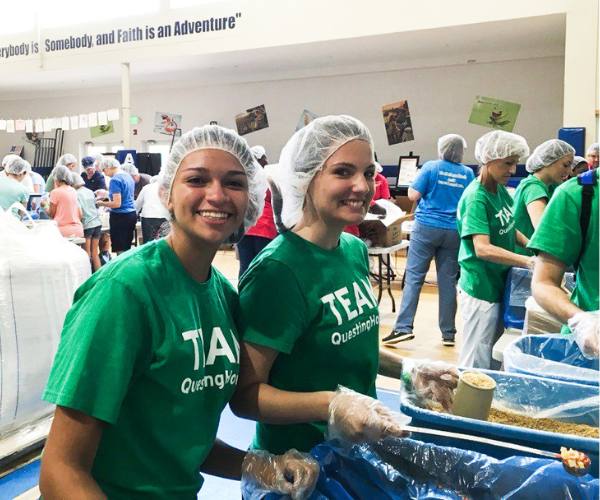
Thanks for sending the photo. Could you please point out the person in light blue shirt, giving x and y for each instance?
(438, 188)
(11, 188)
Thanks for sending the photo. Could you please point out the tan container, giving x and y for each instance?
(474, 395)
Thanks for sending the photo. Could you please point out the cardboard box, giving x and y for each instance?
(384, 231)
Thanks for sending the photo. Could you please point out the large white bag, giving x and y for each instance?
(39, 273)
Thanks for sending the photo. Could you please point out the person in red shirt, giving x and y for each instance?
(264, 231)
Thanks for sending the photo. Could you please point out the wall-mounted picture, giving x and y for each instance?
(167, 123)
(494, 113)
(252, 120)
(398, 126)
(305, 118)
(102, 130)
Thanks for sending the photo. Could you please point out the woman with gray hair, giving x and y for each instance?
(67, 160)
(149, 353)
(549, 165)
(437, 189)
(64, 207)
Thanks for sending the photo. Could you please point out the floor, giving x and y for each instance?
(427, 343)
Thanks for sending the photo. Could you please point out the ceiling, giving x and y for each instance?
(476, 43)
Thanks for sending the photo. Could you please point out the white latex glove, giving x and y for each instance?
(586, 332)
(433, 382)
(355, 418)
(293, 473)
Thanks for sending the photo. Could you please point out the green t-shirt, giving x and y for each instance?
(559, 234)
(154, 354)
(482, 212)
(316, 308)
(12, 191)
(528, 190)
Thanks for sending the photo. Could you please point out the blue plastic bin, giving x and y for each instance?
(551, 356)
(516, 292)
(531, 395)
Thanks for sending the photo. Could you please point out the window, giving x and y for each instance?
(90, 149)
(162, 148)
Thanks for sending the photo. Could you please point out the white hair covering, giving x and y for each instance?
(547, 153)
(498, 144)
(305, 154)
(217, 137)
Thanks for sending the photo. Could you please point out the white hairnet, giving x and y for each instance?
(66, 159)
(577, 160)
(130, 168)
(62, 174)
(593, 149)
(8, 158)
(305, 154)
(547, 153)
(258, 152)
(217, 137)
(498, 144)
(76, 180)
(109, 162)
(451, 147)
(16, 166)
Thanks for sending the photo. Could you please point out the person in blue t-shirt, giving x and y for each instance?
(122, 208)
(438, 188)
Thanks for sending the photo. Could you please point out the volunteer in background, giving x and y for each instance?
(92, 177)
(579, 166)
(27, 180)
(592, 155)
(12, 189)
(140, 180)
(90, 218)
(38, 185)
(549, 165)
(64, 207)
(308, 317)
(67, 160)
(437, 188)
(149, 357)
(259, 236)
(152, 212)
(122, 217)
(568, 236)
(487, 248)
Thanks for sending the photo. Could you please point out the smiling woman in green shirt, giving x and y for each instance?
(308, 317)
(149, 352)
(550, 165)
(487, 249)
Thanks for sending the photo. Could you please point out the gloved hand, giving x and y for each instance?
(354, 418)
(433, 382)
(293, 473)
(586, 332)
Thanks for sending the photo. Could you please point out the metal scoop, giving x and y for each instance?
(575, 471)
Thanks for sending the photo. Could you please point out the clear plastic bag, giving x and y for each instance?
(551, 356)
(517, 291)
(402, 469)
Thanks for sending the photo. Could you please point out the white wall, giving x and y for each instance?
(440, 101)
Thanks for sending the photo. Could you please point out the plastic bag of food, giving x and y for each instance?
(551, 356)
(402, 469)
(516, 293)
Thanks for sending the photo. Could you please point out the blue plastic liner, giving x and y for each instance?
(516, 292)
(551, 356)
(401, 469)
(528, 395)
